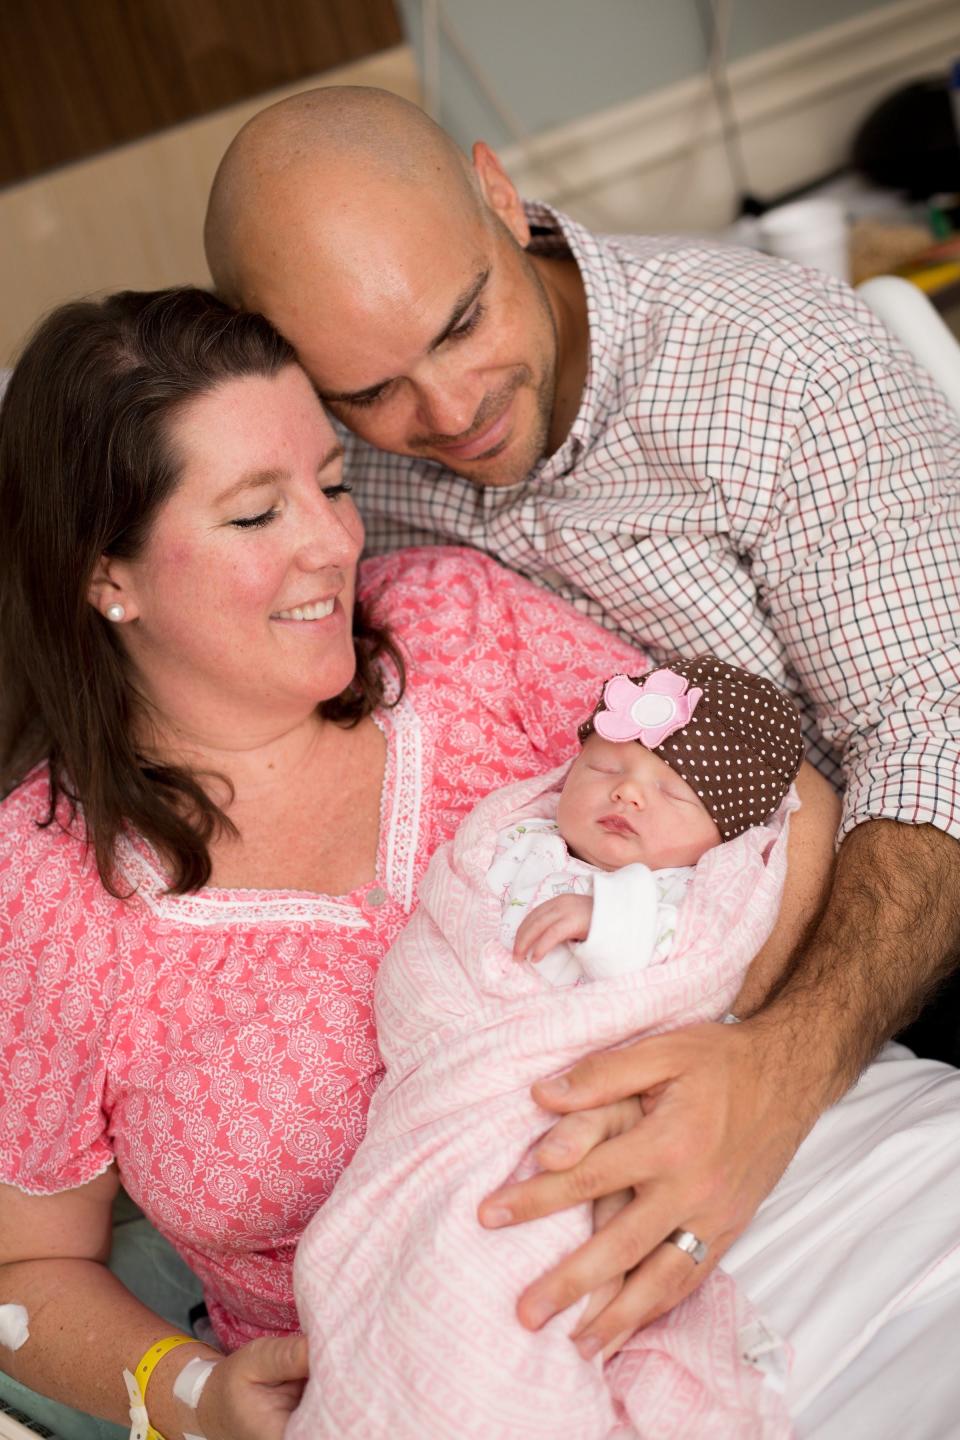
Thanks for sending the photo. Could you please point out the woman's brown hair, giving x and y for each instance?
(85, 463)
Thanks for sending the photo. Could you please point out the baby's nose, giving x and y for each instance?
(630, 793)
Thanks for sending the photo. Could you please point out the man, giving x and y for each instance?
(708, 451)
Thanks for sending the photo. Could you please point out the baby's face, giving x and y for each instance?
(622, 803)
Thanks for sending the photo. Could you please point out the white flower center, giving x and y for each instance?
(651, 710)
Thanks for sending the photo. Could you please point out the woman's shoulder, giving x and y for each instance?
(406, 583)
(35, 848)
(64, 939)
(439, 597)
(450, 609)
(24, 810)
(450, 606)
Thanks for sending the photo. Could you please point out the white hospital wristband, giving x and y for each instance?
(189, 1384)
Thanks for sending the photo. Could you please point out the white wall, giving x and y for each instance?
(657, 161)
(554, 61)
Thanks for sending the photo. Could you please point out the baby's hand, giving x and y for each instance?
(566, 917)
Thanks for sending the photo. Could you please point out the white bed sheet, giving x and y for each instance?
(855, 1257)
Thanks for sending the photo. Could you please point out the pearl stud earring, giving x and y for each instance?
(115, 611)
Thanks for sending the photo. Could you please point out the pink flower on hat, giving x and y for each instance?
(647, 712)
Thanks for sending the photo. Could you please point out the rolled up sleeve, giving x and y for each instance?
(861, 571)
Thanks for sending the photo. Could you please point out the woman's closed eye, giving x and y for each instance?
(255, 522)
(334, 492)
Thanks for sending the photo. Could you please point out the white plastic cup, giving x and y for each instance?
(810, 232)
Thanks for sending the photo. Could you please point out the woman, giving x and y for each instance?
(226, 779)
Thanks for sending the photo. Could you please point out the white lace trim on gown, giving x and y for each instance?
(401, 812)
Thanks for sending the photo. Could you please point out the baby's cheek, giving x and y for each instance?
(702, 845)
(566, 811)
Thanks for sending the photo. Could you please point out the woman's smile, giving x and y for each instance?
(312, 610)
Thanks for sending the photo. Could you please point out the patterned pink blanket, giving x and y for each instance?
(407, 1302)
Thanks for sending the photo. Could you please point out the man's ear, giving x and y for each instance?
(499, 192)
(110, 587)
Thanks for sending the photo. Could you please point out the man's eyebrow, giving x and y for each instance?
(257, 479)
(460, 307)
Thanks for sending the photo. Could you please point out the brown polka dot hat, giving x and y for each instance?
(734, 737)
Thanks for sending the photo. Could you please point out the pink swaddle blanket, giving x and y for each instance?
(408, 1303)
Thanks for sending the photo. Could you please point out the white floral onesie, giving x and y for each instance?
(634, 909)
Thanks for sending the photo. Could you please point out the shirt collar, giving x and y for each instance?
(605, 286)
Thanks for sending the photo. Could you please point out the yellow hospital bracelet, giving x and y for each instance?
(140, 1427)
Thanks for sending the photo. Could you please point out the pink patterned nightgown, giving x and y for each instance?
(220, 1046)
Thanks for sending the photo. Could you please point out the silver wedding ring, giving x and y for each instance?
(690, 1244)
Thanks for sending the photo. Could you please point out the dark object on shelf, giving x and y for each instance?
(909, 142)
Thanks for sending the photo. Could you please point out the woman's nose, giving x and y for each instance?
(334, 537)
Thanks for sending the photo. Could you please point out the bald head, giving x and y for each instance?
(397, 270)
(317, 167)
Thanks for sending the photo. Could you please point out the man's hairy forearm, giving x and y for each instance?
(889, 932)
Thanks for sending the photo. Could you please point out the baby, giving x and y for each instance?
(618, 878)
(714, 751)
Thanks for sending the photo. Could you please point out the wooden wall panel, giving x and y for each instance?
(81, 76)
(131, 218)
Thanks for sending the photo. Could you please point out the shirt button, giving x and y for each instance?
(375, 897)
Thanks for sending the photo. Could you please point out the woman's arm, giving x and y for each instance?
(86, 1327)
(811, 848)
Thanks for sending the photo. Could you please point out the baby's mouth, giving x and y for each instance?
(616, 824)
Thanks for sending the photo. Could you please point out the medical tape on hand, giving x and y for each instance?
(13, 1326)
(189, 1386)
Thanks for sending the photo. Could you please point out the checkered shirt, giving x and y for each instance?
(756, 470)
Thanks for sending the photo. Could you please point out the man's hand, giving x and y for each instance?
(723, 1108)
(709, 1139)
(606, 1209)
(564, 918)
(252, 1393)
